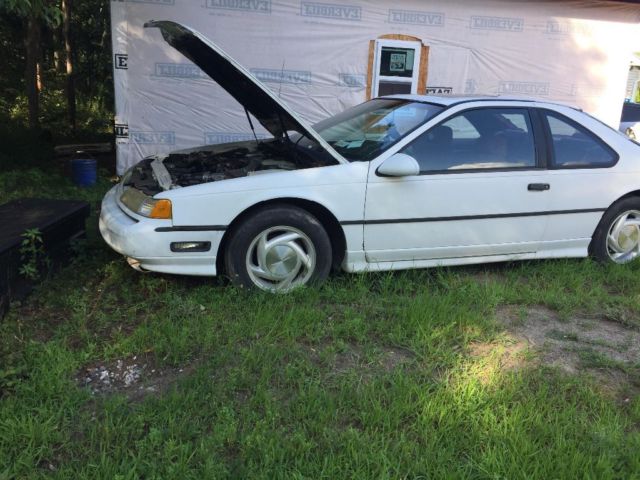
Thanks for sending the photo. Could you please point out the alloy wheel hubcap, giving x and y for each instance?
(623, 239)
(280, 259)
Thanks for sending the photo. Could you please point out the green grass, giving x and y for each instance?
(296, 386)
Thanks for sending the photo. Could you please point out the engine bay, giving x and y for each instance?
(218, 162)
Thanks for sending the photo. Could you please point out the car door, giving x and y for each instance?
(481, 191)
(580, 180)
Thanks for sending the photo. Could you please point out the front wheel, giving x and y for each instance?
(617, 238)
(277, 249)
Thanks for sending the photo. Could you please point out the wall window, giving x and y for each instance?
(575, 147)
(397, 65)
(482, 138)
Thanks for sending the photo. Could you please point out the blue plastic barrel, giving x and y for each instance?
(84, 171)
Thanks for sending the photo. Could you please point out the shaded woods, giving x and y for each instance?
(56, 82)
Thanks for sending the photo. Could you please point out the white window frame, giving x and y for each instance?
(413, 80)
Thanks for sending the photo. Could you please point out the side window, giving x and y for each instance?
(462, 128)
(575, 147)
(482, 138)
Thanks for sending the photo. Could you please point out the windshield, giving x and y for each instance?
(365, 131)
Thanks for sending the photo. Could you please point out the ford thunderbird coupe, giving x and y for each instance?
(397, 182)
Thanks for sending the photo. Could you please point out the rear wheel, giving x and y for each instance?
(617, 238)
(277, 249)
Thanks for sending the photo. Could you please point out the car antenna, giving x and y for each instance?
(251, 125)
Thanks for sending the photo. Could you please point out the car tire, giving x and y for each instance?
(617, 237)
(278, 248)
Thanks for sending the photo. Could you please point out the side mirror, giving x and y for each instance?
(399, 165)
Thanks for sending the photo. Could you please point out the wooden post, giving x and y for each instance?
(370, 66)
(424, 70)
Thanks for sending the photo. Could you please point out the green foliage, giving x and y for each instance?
(44, 10)
(10, 378)
(93, 69)
(32, 254)
(90, 34)
(49, 183)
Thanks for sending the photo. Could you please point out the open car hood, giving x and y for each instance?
(257, 99)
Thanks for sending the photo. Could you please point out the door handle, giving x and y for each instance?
(538, 187)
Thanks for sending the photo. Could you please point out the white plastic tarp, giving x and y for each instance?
(314, 55)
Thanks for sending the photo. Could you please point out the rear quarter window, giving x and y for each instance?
(574, 146)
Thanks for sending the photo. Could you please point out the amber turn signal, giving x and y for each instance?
(161, 209)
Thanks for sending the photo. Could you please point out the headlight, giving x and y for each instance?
(144, 205)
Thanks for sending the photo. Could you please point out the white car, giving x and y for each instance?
(630, 120)
(397, 182)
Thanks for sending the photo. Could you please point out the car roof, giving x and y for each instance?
(448, 100)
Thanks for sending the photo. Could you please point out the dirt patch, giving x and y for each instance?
(505, 356)
(353, 358)
(393, 357)
(136, 377)
(609, 350)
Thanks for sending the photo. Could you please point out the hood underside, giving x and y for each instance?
(278, 119)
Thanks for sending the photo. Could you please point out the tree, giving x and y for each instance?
(68, 95)
(69, 53)
(34, 13)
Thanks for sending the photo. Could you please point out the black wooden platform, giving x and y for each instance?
(58, 221)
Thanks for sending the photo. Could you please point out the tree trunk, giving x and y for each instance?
(57, 54)
(39, 76)
(32, 51)
(68, 48)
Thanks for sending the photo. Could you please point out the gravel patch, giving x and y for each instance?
(135, 377)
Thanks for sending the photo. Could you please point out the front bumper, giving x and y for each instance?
(137, 238)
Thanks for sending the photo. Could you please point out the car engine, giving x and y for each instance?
(214, 163)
